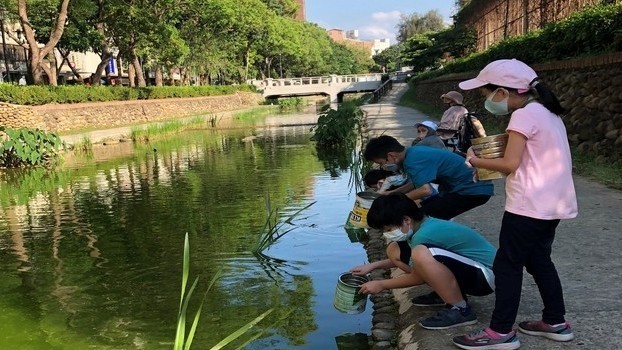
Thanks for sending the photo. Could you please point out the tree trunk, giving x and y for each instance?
(246, 62)
(159, 77)
(36, 53)
(138, 70)
(100, 68)
(131, 75)
(185, 78)
(65, 56)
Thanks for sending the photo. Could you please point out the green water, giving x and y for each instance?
(90, 253)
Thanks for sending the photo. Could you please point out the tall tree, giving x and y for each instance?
(415, 23)
(37, 54)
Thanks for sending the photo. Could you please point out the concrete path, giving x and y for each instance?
(587, 252)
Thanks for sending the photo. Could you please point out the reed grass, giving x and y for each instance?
(158, 130)
(183, 341)
(84, 146)
(273, 227)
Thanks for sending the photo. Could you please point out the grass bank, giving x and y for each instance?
(584, 164)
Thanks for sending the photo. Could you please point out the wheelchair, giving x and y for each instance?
(469, 127)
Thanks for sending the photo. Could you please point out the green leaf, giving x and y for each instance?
(247, 327)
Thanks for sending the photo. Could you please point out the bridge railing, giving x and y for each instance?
(321, 80)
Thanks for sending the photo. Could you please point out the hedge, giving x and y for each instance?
(594, 30)
(41, 94)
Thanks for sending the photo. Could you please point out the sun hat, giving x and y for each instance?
(454, 96)
(507, 73)
(429, 124)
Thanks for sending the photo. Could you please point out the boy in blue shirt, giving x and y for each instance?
(423, 165)
(454, 260)
(457, 192)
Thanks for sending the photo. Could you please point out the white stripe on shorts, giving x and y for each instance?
(490, 276)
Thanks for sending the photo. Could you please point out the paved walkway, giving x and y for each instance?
(587, 253)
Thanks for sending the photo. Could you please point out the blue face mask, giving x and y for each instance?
(496, 108)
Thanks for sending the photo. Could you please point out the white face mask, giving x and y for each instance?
(397, 235)
(497, 108)
(390, 167)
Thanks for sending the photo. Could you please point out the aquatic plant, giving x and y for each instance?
(183, 341)
(153, 131)
(273, 228)
(28, 147)
(339, 127)
(84, 146)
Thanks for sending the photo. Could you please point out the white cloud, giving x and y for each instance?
(376, 32)
(386, 16)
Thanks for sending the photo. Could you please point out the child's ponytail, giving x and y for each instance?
(547, 97)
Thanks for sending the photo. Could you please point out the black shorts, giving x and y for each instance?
(450, 205)
(473, 278)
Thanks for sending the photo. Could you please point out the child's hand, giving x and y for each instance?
(362, 269)
(371, 287)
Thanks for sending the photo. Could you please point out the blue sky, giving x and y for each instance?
(374, 19)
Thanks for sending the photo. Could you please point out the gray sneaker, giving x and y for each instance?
(449, 318)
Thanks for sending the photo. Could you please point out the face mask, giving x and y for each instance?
(396, 180)
(397, 235)
(496, 108)
(391, 167)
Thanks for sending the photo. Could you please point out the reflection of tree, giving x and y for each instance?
(337, 159)
(112, 241)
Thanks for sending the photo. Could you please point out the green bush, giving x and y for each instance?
(28, 147)
(39, 95)
(595, 30)
(336, 127)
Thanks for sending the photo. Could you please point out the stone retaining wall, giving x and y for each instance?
(590, 89)
(97, 115)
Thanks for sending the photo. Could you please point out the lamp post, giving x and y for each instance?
(6, 61)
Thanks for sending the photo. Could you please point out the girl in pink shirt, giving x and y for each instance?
(539, 192)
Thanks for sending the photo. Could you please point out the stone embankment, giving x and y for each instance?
(589, 88)
(97, 115)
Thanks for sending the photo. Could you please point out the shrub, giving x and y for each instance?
(39, 94)
(595, 30)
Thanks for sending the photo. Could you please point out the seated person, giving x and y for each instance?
(452, 117)
(426, 135)
(454, 260)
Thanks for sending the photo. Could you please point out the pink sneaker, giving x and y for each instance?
(487, 339)
(560, 332)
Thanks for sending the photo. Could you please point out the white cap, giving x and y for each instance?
(430, 124)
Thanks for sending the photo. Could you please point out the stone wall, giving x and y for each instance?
(97, 115)
(590, 89)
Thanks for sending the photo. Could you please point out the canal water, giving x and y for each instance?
(91, 252)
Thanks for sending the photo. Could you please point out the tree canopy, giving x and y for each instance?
(221, 41)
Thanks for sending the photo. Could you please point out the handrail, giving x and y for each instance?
(382, 90)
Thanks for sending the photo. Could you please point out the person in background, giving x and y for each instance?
(22, 81)
(452, 259)
(426, 135)
(539, 193)
(452, 117)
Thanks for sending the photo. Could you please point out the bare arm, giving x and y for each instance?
(511, 158)
(367, 268)
(403, 281)
(420, 192)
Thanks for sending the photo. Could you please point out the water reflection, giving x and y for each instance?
(91, 253)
